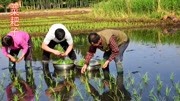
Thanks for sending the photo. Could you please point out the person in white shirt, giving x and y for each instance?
(58, 34)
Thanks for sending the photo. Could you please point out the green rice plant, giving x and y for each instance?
(57, 97)
(79, 94)
(40, 86)
(63, 61)
(177, 88)
(16, 98)
(172, 77)
(176, 98)
(152, 96)
(81, 62)
(102, 61)
(127, 80)
(87, 85)
(140, 87)
(59, 48)
(159, 83)
(132, 81)
(122, 95)
(145, 78)
(37, 95)
(168, 90)
(136, 96)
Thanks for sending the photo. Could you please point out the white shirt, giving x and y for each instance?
(51, 34)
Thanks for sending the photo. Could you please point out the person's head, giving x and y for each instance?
(59, 33)
(94, 39)
(7, 41)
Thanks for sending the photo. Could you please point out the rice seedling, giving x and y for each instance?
(132, 81)
(176, 98)
(80, 94)
(16, 98)
(136, 96)
(37, 95)
(168, 90)
(145, 78)
(159, 83)
(172, 77)
(177, 88)
(152, 96)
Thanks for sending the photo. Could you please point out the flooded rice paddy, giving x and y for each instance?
(151, 72)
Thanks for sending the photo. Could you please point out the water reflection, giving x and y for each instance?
(100, 86)
(144, 54)
(20, 89)
(61, 87)
(106, 87)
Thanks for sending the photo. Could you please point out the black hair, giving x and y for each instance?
(93, 38)
(13, 1)
(59, 33)
(7, 41)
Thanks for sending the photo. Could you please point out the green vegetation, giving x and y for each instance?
(137, 89)
(149, 36)
(80, 62)
(128, 8)
(106, 14)
(63, 61)
(155, 36)
(102, 61)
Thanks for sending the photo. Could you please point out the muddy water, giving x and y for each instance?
(152, 51)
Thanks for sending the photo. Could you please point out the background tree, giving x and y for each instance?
(5, 3)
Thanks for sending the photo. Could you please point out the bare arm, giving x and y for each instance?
(68, 50)
(48, 49)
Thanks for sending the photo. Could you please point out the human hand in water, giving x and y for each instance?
(18, 60)
(12, 59)
(105, 64)
(83, 69)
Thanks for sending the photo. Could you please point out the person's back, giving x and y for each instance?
(19, 38)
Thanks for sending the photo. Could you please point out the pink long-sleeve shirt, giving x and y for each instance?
(20, 39)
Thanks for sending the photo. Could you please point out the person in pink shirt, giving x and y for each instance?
(12, 43)
(27, 93)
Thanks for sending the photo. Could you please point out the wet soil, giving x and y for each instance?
(79, 11)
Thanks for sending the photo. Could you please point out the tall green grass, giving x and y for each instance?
(133, 7)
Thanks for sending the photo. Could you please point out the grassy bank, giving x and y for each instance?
(122, 14)
(137, 8)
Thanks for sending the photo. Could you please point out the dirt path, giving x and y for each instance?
(45, 13)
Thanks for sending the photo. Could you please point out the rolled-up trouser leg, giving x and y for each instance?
(106, 57)
(28, 64)
(119, 67)
(47, 75)
(118, 60)
(12, 65)
(12, 70)
(29, 74)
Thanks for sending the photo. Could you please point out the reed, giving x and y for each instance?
(126, 8)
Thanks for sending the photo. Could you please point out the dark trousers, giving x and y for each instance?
(64, 44)
(118, 59)
(27, 58)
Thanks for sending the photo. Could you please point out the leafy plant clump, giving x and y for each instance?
(64, 61)
(102, 62)
(81, 62)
